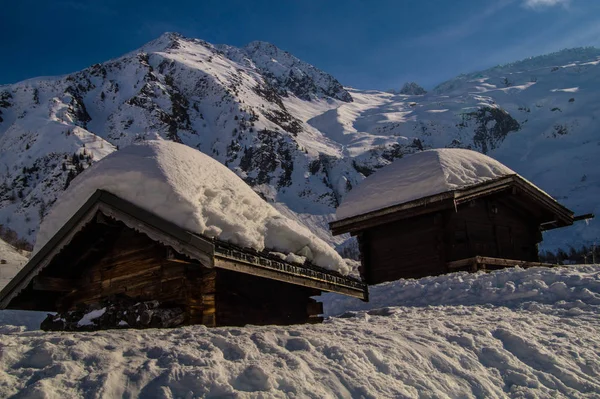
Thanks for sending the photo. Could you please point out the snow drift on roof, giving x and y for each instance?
(420, 175)
(195, 192)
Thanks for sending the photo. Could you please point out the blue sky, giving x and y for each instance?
(376, 44)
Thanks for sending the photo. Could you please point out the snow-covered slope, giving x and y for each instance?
(15, 260)
(293, 132)
(571, 287)
(542, 342)
(286, 72)
(11, 261)
(192, 190)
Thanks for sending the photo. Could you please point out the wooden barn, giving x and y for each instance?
(114, 255)
(445, 210)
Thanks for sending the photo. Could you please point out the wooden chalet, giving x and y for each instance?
(111, 248)
(497, 223)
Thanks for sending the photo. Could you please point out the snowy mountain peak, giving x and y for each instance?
(264, 47)
(293, 132)
(286, 72)
(165, 42)
(413, 89)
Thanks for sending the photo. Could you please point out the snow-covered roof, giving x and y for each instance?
(418, 176)
(195, 192)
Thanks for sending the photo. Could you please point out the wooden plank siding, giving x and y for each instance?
(488, 227)
(134, 266)
(424, 244)
(410, 248)
(200, 290)
(244, 299)
(110, 259)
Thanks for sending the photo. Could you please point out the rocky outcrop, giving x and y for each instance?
(286, 72)
(491, 126)
(412, 89)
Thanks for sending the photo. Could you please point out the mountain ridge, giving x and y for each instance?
(290, 130)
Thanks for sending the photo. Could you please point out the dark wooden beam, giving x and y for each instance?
(183, 262)
(361, 223)
(174, 257)
(583, 217)
(323, 285)
(480, 263)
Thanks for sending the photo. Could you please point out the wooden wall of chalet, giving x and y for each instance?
(244, 299)
(490, 227)
(409, 248)
(422, 245)
(107, 259)
(104, 260)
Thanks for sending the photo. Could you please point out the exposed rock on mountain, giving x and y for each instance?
(292, 131)
(286, 73)
(491, 126)
(413, 89)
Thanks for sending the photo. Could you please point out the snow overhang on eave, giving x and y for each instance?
(182, 241)
(451, 199)
(236, 259)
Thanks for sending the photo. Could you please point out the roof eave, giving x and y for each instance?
(351, 224)
(449, 199)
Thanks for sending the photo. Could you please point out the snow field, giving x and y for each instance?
(574, 288)
(401, 352)
(455, 349)
(14, 261)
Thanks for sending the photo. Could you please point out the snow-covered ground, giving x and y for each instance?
(572, 287)
(11, 261)
(512, 333)
(15, 260)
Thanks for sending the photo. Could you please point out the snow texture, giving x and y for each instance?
(87, 319)
(12, 260)
(463, 348)
(15, 260)
(281, 67)
(420, 175)
(566, 287)
(195, 192)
